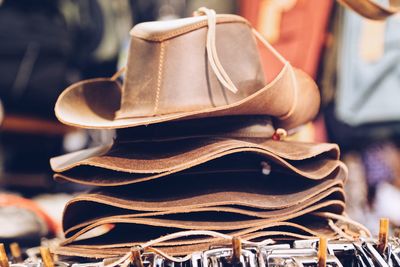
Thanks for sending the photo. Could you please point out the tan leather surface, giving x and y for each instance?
(163, 156)
(372, 10)
(186, 193)
(188, 83)
(127, 163)
(164, 30)
(171, 79)
(334, 195)
(270, 200)
(150, 228)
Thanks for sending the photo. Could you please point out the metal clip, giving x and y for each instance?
(299, 257)
(223, 257)
(376, 257)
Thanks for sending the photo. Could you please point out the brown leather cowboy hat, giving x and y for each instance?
(203, 66)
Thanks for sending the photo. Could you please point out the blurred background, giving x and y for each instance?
(46, 45)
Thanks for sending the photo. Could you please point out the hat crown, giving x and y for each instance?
(168, 70)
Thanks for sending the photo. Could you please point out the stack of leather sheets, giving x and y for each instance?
(195, 150)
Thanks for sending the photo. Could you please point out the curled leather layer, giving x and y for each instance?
(333, 196)
(131, 162)
(151, 228)
(254, 195)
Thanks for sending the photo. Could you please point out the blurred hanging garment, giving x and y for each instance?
(293, 27)
(34, 50)
(368, 71)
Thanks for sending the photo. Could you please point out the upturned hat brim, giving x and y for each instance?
(93, 103)
(133, 162)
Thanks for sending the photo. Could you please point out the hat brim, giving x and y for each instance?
(151, 228)
(133, 162)
(245, 205)
(93, 103)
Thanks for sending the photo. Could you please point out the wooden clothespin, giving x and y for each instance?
(3, 256)
(322, 251)
(383, 234)
(16, 252)
(136, 258)
(46, 257)
(236, 249)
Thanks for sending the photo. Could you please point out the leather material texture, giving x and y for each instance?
(198, 146)
(307, 229)
(116, 167)
(223, 174)
(195, 160)
(180, 193)
(168, 77)
(326, 198)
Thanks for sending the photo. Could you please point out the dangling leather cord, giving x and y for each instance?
(218, 69)
(147, 246)
(213, 58)
(118, 74)
(287, 65)
(345, 219)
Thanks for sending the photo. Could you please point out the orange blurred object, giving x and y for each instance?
(7, 200)
(298, 29)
